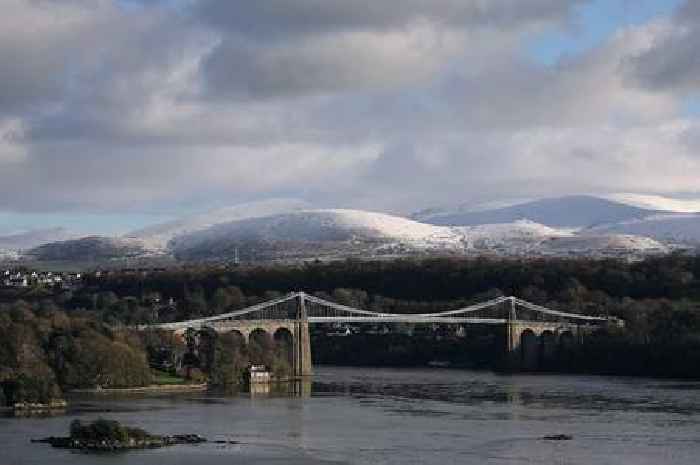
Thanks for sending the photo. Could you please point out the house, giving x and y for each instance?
(259, 374)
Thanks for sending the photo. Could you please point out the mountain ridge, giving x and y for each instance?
(286, 229)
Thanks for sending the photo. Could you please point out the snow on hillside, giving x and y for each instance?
(426, 214)
(91, 248)
(344, 233)
(315, 226)
(677, 228)
(575, 211)
(520, 236)
(657, 202)
(33, 238)
(9, 254)
(157, 237)
(389, 226)
(606, 244)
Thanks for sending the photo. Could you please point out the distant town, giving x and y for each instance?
(20, 278)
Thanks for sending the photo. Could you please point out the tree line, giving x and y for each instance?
(71, 338)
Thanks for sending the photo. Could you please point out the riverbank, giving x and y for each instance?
(144, 389)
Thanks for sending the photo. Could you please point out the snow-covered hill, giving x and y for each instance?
(353, 233)
(9, 255)
(312, 233)
(656, 202)
(576, 211)
(679, 228)
(156, 237)
(286, 230)
(33, 238)
(520, 237)
(603, 245)
(91, 248)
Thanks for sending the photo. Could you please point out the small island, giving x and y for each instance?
(110, 436)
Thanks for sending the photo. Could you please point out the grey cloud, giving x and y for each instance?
(672, 62)
(275, 48)
(270, 19)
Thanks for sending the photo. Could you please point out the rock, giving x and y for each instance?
(151, 442)
(558, 437)
(105, 435)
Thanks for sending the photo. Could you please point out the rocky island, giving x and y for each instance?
(111, 436)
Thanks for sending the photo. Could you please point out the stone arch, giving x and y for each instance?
(206, 347)
(237, 336)
(548, 346)
(567, 344)
(191, 338)
(566, 340)
(284, 345)
(190, 357)
(260, 347)
(529, 349)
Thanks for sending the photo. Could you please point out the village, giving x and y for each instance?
(22, 278)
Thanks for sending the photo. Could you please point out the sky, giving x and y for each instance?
(115, 114)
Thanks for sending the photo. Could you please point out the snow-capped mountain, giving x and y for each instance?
(679, 228)
(156, 237)
(354, 233)
(33, 238)
(656, 202)
(588, 244)
(576, 211)
(312, 233)
(91, 248)
(287, 230)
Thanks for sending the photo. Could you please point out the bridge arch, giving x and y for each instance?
(566, 340)
(284, 345)
(548, 346)
(237, 336)
(260, 344)
(206, 347)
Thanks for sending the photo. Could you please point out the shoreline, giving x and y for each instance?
(151, 388)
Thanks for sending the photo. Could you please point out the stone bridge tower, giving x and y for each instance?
(302, 341)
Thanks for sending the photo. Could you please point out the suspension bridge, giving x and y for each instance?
(528, 326)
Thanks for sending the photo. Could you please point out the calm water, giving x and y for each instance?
(380, 416)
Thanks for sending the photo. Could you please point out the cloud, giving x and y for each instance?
(392, 105)
(280, 20)
(671, 62)
(12, 149)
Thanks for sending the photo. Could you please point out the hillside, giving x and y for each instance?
(676, 228)
(579, 211)
(317, 233)
(282, 229)
(156, 237)
(92, 248)
(34, 238)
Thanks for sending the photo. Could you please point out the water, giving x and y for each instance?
(380, 416)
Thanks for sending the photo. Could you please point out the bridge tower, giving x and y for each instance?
(513, 335)
(302, 341)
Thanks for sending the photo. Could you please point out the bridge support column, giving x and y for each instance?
(513, 341)
(513, 355)
(302, 342)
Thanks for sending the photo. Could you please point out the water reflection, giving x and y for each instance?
(297, 388)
